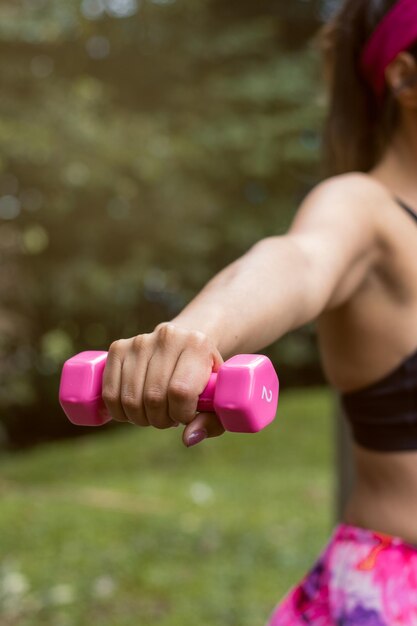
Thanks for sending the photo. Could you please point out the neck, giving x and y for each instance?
(404, 144)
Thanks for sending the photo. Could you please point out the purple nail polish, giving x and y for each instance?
(196, 437)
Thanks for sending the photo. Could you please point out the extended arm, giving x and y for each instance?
(281, 283)
(285, 282)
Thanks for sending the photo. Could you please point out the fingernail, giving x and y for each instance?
(175, 424)
(196, 437)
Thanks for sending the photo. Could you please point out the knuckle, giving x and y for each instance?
(110, 396)
(165, 333)
(138, 342)
(130, 400)
(180, 390)
(116, 349)
(154, 397)
(198, 339)
(130, 404)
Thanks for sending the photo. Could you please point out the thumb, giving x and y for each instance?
(204, 425)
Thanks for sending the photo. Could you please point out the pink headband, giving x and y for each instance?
(396, 32)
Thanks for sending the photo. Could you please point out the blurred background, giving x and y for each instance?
(144, 144)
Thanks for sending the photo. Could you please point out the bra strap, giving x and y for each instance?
(407, 208)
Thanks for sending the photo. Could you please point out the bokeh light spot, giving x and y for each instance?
(98, 47)
(77, 174)
(35, 239)
(62, 595)
(118, 208)
(9, 207)
(122, 8)
(56, 345)
(104, 587)
(201, 493)
(93, 9)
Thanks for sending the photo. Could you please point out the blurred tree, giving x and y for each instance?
(143, 145)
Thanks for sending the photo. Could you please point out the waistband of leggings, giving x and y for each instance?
(357, 534)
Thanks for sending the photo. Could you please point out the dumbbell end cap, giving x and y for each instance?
(81, 387)
(246, 398)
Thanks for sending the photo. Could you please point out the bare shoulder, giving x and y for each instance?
(349, 199)
(352, 189)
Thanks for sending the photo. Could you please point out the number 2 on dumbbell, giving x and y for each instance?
(243, 393)
(267, 394)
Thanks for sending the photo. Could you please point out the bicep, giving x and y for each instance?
(337, 231)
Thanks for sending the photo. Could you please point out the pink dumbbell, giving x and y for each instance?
(243, 393)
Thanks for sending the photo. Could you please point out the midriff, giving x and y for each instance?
(384, 497)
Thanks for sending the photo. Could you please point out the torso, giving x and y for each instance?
(360, 342)
(384, 497)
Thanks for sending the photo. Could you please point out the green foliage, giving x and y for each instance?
(143, 145)
(131, 528)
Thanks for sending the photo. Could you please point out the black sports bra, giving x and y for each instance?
(383, 415)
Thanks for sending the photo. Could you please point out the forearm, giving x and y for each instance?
(256, 299)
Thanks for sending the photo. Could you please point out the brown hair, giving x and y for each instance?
(358, 127)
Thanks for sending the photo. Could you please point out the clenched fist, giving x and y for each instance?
(155, 380)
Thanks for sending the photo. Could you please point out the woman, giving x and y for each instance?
(349, 261)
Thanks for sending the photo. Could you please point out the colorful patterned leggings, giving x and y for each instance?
(362, 578)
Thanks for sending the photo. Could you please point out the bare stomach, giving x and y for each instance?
(384, 497)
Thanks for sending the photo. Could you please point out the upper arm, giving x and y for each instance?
(337, 230)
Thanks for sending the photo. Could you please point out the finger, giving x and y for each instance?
(133, 377)
(188, 381)
(204, 426)
(112, 380)
(158, 375)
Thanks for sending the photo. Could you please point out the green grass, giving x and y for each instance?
(131, 528)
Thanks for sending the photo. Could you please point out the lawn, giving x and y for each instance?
(130, 528)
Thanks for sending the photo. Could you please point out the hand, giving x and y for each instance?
(155, 380)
